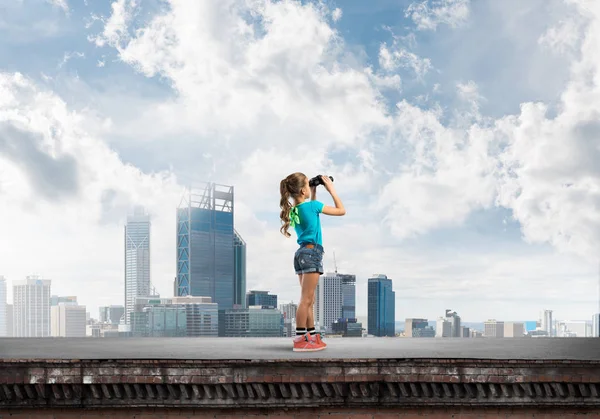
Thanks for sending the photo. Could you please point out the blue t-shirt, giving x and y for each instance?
(309, 228)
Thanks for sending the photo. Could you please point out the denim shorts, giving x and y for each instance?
(309, 260)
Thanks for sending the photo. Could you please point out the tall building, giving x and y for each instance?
(289, 318)
(211, 255)
(573, 328)
(381, 306)
(418, 328)
(239, 274)
(596, 325)
(3, 314)
(261, 298)
(547, 323)
(328, 301)
(31, 307)
(137, 258)
(493, 329)
(68, 320)
(454, 320)
(443, 328)
(111, 314)
(514, 329)
(348, 296)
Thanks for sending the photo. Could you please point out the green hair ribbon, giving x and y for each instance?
(294, 218)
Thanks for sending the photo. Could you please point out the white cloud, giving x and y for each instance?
(336, 14)
(564, 36)
(60, 3)
(394, 57)
(429, 14)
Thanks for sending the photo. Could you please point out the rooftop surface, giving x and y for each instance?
(578, 349)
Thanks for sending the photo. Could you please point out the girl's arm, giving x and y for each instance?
(339, 207)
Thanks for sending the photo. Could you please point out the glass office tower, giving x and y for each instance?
(381, 306)
(211, 255)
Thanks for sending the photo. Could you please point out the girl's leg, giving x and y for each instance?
(309, 284)
(310, 320)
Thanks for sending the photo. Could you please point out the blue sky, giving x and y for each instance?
(451, 127)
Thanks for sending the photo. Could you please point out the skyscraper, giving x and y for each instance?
(454, 319)
(547, 323)
(493, 329)
(211, 258)
(31, 307)
(348, 296)
(239, 275)
(596, 325)
(3, 313)
(137, 258)
(328, 300)
(381, 306)
(111, 314)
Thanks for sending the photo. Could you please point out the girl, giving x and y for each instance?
(308, 260)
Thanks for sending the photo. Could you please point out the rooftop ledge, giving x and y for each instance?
(265, 373)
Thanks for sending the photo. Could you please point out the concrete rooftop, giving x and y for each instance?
(580, 349)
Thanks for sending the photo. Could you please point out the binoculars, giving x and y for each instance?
(316, 181)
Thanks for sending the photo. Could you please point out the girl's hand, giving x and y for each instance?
(327, 183)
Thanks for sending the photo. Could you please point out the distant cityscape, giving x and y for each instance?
(210, 297)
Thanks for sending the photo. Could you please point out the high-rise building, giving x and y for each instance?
(31, 307)
(418, 328)
(289, 318)
(207, 247)
(137, 258)
(443, 328)
(9, 320)
(465, 332)
(328, 301)
(546, 322)
(111, 314)
(68, 320)
(514, 329)
(596, 325)
(3, 315)
(493, 329)
(239, 265)
(348, 297)
(454, 320)
(261, 298)
(381, 306)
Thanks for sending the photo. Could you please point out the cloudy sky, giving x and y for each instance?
(463, 136)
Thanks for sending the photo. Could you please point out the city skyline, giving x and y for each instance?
(468, 170)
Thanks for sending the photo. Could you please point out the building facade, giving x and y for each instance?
(596, 325)
(288, 311)
(31, 307)
(547, 323)
(443, 328)
(211, 255)
(348, 297)
(68, 320)
(381, 306)
(9, 321)
(253, 322)
(111, 314)
(514, 329)
(328, 301)
(261, 298)
(3, 311)
(56, 300)
(454, 320)
(493, 329)
(137, 259)
(418, 328)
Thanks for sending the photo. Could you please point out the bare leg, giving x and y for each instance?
(309, 284)
(310, 320)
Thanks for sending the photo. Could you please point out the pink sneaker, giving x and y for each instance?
(305, 343)
(317, 339)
